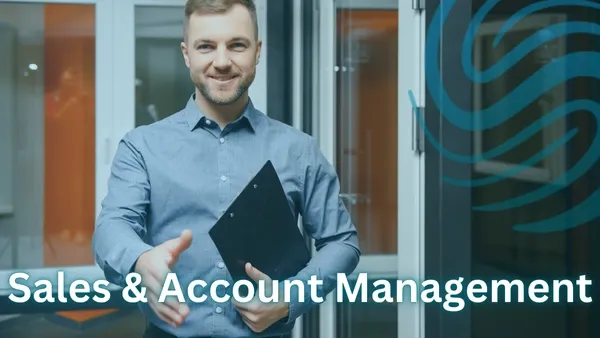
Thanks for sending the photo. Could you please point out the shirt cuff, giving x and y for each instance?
(300, 305)
(134, 251)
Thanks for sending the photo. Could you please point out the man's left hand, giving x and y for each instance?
(259, 315)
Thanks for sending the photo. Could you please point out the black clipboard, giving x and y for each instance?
(259, 227)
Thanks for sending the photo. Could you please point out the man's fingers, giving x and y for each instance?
(165, 312)
(250, 313)
(246, 307)
(251, 325)
(181, 308)
(257, 275)
(249, 317)
(154, 289)
(160, 315)
(178, 245)
(244, 316)
(153, 284)
(155, 280)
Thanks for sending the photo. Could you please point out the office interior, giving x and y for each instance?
(76, 75)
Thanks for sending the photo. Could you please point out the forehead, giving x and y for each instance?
(235, 22)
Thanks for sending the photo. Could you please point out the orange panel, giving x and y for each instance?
(69, 197)
(85, 315)
(69, 191)
(376, 134)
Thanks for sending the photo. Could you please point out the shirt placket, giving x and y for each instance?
(224, 166)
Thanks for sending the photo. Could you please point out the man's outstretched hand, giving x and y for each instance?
(153, 266)
(259, 315)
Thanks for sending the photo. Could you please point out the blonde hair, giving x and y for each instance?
(217, 6)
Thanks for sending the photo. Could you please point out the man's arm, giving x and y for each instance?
(117, 240)
(327, 220)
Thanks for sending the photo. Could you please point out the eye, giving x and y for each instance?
(204, 47)
(238, 46)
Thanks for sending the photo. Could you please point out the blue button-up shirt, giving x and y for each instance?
(182, 173)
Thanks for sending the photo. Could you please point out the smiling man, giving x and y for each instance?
(172, 180)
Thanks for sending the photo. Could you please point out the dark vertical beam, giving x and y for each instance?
(279, 48)
(594, 228)
(310, 320)
(583, 320)
(308, 64)
(448, 207)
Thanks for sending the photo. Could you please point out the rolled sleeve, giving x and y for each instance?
(121, 224)
(326, 219)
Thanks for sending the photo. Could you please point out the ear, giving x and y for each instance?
(184, 52)
(258, 50)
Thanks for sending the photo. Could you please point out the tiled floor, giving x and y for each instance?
(123, 325)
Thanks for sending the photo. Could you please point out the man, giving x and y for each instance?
(171, 181)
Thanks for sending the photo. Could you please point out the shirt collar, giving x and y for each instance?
(195, 116)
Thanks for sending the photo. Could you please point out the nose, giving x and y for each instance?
(221, 58)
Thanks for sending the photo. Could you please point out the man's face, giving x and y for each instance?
(222, 52)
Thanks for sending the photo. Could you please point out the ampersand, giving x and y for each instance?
(139, 294)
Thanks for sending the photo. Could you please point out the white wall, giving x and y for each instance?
(21, 232)
(7, 112)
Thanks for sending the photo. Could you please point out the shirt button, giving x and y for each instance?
(218, 309)
(207, 121)
(221, 265)
(222, 140)
(223, 178)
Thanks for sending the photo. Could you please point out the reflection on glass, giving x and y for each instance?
(162, 84)
(367, 319)
(499, 242)
(492, 93)
(498, 251)
(367, 77)
(47, 94)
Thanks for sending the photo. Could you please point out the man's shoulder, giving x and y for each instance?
(156, 130)
(285, 131)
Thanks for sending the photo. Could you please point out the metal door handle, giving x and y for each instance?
(354, 198)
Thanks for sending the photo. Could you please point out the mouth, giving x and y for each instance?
(223, 79)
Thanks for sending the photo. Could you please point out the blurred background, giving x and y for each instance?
(76, 75)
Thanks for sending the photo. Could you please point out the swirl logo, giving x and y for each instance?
(559, 70)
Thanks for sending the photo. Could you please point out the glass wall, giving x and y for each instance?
(498, 249)
(162, 81)
(48, 119)
(516, 210)
(48, 123)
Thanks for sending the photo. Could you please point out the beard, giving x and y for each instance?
(218, 96)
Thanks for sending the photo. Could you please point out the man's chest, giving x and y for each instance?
(200, 177)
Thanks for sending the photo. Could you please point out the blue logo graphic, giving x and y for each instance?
(560, 70)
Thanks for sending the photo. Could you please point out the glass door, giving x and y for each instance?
(369, 57)
(55, 143)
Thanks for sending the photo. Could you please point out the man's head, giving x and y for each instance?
(221, 47)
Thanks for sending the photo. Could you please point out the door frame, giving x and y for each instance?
(408, 262)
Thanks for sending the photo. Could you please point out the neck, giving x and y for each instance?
(222, 114)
